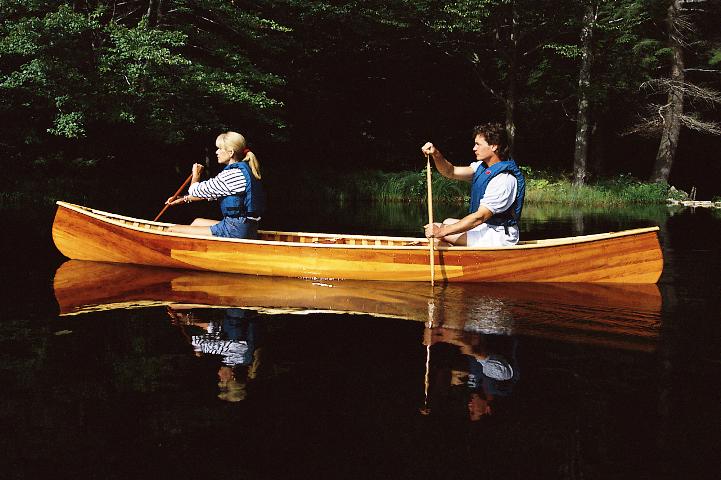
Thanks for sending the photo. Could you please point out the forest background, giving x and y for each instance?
(124, 96)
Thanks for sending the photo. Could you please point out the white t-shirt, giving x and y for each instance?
(498, 197)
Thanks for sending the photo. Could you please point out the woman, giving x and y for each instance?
(237, 187)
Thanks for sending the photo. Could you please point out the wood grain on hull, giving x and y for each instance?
(624, 257)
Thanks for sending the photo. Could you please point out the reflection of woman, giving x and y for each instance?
(235, 340)
(237, 187)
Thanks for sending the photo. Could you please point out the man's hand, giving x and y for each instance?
(428, 149)
(433, 230)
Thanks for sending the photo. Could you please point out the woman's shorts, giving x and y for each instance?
(239, 227)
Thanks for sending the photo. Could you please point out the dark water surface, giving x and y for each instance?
(121, 372)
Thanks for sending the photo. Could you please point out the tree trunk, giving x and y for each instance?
(596, 150)
(510, 103)
(672, 111)
(580, 155)
(510, 107)
(154, 12)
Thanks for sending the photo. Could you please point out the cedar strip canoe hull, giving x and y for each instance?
(624, 316)
(632, 256)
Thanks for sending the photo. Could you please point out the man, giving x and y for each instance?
(498, 189)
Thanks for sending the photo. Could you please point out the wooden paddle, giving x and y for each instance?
(425, 410)
(431, 241)
(182, 187)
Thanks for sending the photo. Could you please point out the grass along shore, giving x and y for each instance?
(373, 185)
(541, 188)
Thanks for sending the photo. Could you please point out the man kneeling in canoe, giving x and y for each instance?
(498, 188)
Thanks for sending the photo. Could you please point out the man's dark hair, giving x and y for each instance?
(495, 134)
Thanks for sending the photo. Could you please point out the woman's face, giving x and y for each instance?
(225, 374)
(223, 155)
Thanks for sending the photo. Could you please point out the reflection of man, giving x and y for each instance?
(490, 374)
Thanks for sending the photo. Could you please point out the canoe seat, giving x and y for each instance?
(329, 241)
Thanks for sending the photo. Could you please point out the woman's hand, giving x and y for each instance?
(197, 169)
(175, 200)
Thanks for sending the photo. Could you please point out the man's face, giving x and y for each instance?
(478, 407)
(482, 149)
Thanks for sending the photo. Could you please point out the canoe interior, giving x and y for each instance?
(269, 235)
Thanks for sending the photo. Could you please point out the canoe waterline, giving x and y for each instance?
(632, 256)
(625, 316)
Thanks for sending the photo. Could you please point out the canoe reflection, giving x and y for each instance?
(613, 315)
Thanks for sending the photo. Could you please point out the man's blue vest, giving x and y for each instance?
(480, 182)
(249, 203)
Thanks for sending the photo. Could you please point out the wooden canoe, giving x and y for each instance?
(632, 256)
(625, 316)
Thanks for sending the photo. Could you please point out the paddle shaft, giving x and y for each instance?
(431, 241)
(182, 187)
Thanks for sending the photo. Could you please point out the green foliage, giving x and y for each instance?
(568, 51)
(375, 185)
(69, 125)
(67, 71)
(715, 57)
(541, 188)
(465, 15)
(74, 73)
(621, 190)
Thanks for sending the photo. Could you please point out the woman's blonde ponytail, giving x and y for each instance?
(236, 142)
(253, 162)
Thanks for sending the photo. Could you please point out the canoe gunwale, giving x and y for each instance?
(419, 243)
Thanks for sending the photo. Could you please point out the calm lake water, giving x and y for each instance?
(114, 372)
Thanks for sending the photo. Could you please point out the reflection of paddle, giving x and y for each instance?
(425, 410)
(426, 382)
(182, 187)
(430, 215)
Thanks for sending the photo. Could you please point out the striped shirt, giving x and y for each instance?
(227, 182)
(234, 352)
